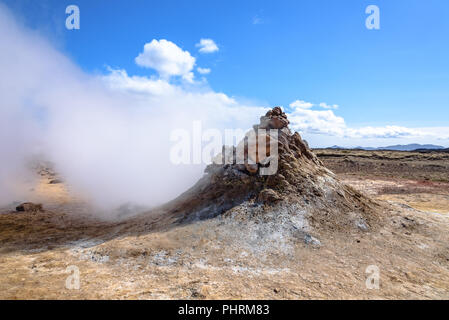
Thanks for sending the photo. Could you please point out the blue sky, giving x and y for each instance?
(277, 52)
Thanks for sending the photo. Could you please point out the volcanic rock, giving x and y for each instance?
(241, 175)
(274, 119)
(29, 207)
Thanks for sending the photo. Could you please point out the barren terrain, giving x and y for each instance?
(417, 179)
(281, 253)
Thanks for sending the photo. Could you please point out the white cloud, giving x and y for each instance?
(384, 132)
(203, 70)
(119, 79)
(317, 122)
(167, 59)
(327, 106)
(207, 46)
(301, 104)
(201, 101)
(325, 122)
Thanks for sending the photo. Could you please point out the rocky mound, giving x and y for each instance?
(286, 173)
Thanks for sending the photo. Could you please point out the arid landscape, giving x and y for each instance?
(278, 150)
(417, 179)
(304, 233)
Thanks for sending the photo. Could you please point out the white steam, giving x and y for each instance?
(107, 135)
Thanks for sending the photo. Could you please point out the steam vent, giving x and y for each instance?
(239, 180)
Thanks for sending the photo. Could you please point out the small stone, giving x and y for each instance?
(268, 196)
(204, 291)
(308, 239)
(361, 225)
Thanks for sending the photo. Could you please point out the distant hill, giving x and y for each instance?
(398, 147)
(411, 147)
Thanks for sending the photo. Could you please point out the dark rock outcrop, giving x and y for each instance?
(29, 207)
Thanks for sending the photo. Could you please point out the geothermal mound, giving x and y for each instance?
(272, 169)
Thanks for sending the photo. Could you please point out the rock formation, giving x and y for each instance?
(239, 175)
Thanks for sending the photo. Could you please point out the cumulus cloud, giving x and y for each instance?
(316, 121)
(108, 135)
(207, 46)
(202, 103)
(304, 119)
(328, 106)
(167, 59)
(301, 104)
(203, 70)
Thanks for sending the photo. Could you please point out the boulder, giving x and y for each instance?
(29, 207)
